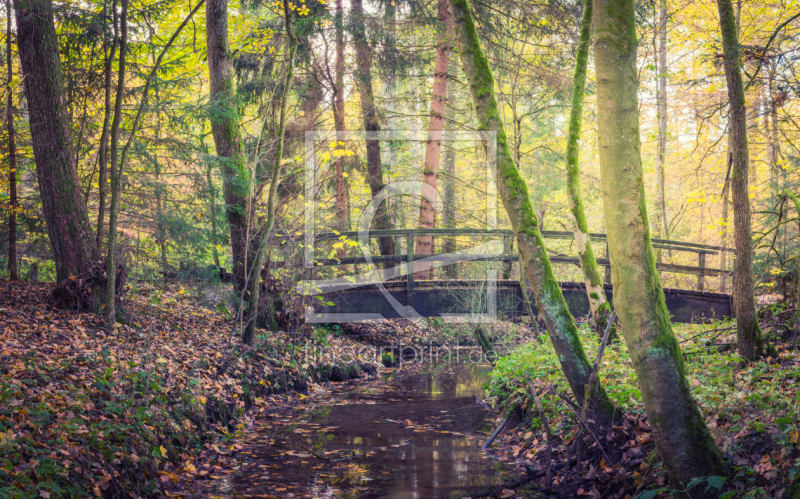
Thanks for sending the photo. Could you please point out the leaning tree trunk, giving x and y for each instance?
(363, 79)
(12, 157)
(433, 148)
(225, 127)
(63, 207)
(684, 442)
(601, 309)
(533, 254)
(750, 342)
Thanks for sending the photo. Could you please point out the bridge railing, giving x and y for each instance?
(701, 270)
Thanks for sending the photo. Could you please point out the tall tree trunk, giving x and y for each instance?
(750, 342)
(12, 157)
(661, 105)
(532, 252)
(116, 171)
(113, 285)
(684, 442)
(225, 127)
(723, 255)
(107, 112)
(433, 148)
(255, 270)
(341, 126)
(601, 309)
(212, 214)
(449, 200)
(64, 210)
(363, 77)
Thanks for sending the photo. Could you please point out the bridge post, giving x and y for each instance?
(607, 279)
(410, 269)
(702, 277)
(506, 252)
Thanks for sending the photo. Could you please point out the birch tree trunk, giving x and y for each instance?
(750, 342)
(64, 209)
(433, 148)
(601, 309)
(532, 252)
(225, 124)
(363, 77)
(684, 442)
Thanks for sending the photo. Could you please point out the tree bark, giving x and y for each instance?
(116, 171)
(13, 273)
(341, 126)
(598, 303)
(533, 254)
(64, 209)
(107, 111)
(662, 222)
(363, 77)
(255, 270)
(225, 127)
(433, 148)
(750, 342)
(683, 440)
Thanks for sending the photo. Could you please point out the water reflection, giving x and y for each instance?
(413, 436)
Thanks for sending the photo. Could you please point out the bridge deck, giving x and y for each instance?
(441, 298)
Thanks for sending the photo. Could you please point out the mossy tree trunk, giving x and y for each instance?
(64, 209)
(254, 271)
(750, 342)
(433, 148)
(225, 127)
(533, 254)
(684, 442)
(363, 78)
(598, 303)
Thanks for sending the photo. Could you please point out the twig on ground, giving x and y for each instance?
(548, 435)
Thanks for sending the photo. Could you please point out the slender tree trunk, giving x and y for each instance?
(341, 126)
(723, 255)
(255, 269)
(225, 127)
(750, 342)
(449, 201)
(116, 173)
(107, 112)
(598, 303)
(63, 207)
(118, 160)
(363, 79)
(433, 148)
(684, 442)
(533, 254)
(212, 215)
(12, 157)
(661, 105)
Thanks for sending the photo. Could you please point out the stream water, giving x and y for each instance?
(405, 435)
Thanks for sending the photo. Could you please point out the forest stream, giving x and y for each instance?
(407, 434)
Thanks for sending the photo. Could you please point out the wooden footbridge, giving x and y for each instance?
(384, 286)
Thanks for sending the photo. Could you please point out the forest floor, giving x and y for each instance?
(157, 407)
(752, 411)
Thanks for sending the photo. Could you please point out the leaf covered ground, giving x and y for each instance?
(148, 409)
(752, 410)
